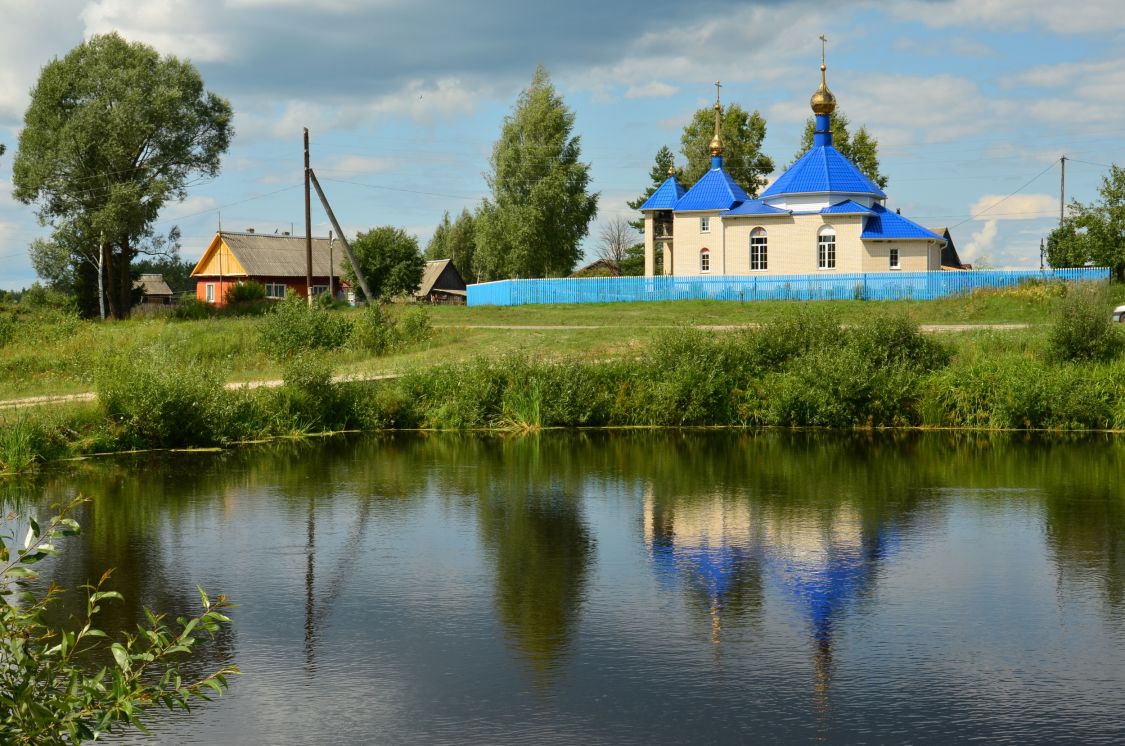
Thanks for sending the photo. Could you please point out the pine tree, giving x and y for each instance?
(438, 247)
(540, 208)
(862, 148)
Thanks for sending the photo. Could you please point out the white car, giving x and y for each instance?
(1119, 314)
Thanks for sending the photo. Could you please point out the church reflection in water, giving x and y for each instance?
(730, 554)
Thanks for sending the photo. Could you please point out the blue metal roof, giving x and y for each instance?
(715, 191)
(823, 169)
(847, 207)
(755, 207)
(665, 196)
(886, 224)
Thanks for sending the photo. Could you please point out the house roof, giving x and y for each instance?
(847, 207)
(432, 272)
(665, 196)
(755, 207)
(715, 191)
(153, 285)
(886, 224)
(273, 255)
(823, 170)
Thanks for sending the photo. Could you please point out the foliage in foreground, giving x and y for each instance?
(51, 691)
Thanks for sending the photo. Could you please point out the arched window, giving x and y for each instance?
(758, 249)
(826, 248)
(704, 260)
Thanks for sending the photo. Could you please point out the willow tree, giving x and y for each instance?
(113, 132)
(540, 209)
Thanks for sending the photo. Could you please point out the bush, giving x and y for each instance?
(245, 292)
(373, 330)
(1083, 329)
(294, 327)
(894, 338)
(192, 309)
(49, 694)
(159, 400)
(414, 326)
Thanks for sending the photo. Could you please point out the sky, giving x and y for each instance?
(972, 101)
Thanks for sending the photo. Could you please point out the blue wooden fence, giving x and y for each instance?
(866, 286)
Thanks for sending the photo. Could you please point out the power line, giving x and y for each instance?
(1026, 184)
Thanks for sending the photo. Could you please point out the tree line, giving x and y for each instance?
(115, 131)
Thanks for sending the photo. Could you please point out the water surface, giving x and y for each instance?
(630, 588)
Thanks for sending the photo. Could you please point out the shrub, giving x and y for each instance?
(157, 399)
(294, 327)
(780, 340)
(1083, 329)
(192, 309)
(49, 694)
(245, 292)
(892, 338)
(373, 330)
(414, 326)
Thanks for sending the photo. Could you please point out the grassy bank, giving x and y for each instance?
(856, 365)
(805, 367)
(54, 353)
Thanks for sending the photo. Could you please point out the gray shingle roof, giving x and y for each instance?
(271, 255)
(152, 285)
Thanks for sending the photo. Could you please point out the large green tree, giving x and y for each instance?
(1094, 233)
(113, 132)
(861, 148)
(391, 262)
(540, 209)
(742, 135)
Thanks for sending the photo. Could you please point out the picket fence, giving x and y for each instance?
(858, 286)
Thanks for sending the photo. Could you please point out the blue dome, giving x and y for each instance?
(824, 170)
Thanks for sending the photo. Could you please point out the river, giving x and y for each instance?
(637, 587)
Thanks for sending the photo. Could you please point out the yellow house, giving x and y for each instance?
(823, 215)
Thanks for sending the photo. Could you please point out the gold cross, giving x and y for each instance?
(718, 85)
(823, 41)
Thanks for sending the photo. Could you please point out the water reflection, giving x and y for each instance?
(454, 571)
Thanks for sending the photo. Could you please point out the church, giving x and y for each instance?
(823, 215)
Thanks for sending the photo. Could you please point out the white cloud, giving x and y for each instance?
(981, 242)
(655, 89)
(360, 164)
(995, 207)
(1094, 16)
(186, 28)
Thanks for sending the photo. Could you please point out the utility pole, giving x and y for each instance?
(308, 225)
(343, 241)
(331, 266)
(1062, 187)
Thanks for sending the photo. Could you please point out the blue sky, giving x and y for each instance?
(970, 100)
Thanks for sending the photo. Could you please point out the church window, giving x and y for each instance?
(705, 260)
(894, 259)
(758, 249)
(826, 248)
(705, 225)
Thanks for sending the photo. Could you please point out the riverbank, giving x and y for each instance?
(802, 368)
(51, 353)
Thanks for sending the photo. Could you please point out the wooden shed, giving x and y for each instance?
(154, 290)
(441, 283)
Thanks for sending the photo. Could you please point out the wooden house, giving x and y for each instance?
(441, 283)
(154, 290)
(276, 261)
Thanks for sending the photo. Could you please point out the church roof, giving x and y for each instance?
(823, 169)
(665, 196)
(886, 224)
(847, 207)
(715, 191)
(755, 207)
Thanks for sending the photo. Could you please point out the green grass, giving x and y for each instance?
(41, 356)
